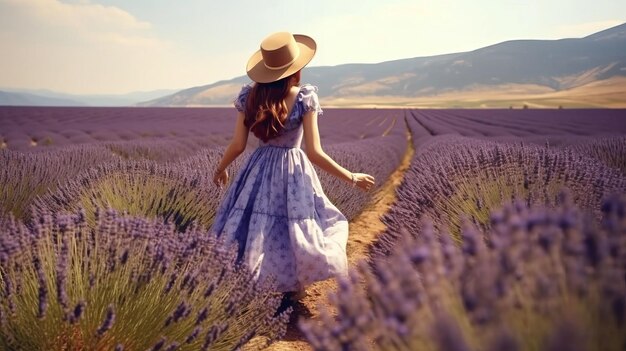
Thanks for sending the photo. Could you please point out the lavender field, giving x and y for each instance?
(508, 232)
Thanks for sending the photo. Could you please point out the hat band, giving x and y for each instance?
(280, 67)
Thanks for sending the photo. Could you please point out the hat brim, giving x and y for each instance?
(257, 71)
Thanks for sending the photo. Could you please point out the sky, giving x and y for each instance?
(122, 46)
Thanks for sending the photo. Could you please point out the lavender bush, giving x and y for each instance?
(540, 279)
(158, 150)
(24, 176)
(127, 284)
(378, 157)
(452, 176)
(179, 192)
(523, 123)
(610, 150)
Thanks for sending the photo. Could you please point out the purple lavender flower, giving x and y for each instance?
(62, 264)
(78, 312)
(209, 290)
(159, 345)
(182, 310)
(193, 336)
(202, 316)
(43, 288)
(211, 337)
(108, 321)
(124, 257)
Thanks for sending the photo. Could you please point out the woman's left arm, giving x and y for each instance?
(234, 149)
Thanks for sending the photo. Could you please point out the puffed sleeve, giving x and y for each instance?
(310, 101)
(240, 101)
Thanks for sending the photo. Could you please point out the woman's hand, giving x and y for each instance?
(220, 177)
(363, 181)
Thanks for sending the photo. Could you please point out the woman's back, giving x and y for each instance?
(303, 100)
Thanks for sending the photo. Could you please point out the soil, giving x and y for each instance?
(364, 229)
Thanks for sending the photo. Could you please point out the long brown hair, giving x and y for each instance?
(266, 110)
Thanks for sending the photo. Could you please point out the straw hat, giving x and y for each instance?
(281, 55)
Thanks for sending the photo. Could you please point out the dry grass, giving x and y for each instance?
(609, 93)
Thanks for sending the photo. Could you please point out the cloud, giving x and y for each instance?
(82, 15)
(85, 48)
(580, 30)
(91, 22)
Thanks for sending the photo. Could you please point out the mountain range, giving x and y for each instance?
(575, 72)
(25, 97)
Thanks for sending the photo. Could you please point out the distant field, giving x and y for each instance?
(44, 128)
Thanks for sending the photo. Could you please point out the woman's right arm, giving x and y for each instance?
(316, 154)
(233, 150)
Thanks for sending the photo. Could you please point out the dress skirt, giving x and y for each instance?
(284, 225)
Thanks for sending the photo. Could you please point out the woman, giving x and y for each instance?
(275, 209)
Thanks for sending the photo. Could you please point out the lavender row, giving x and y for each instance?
(341, 127)
(606, 148)
(453, 176)
(127, 284)
(524, 123)
(26, 176)
(45, 128)
(420, 134)
(379, 157)
(434, 126)
(539, 279)
(610, 150)
(161, 150)
(181, 190)
(31, 128)
(347, 125)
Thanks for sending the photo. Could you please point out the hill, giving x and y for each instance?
(25, 97)
(531, 72)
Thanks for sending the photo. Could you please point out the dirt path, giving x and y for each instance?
(363, 231)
